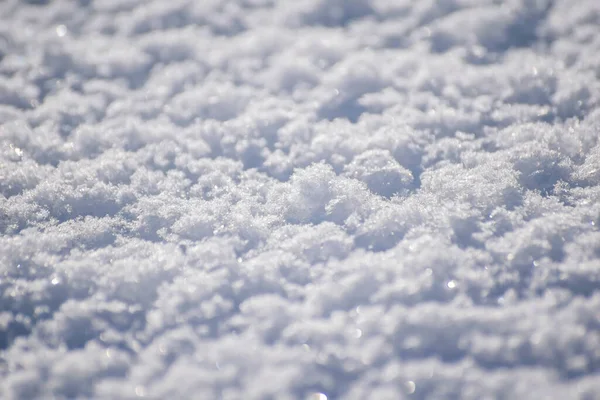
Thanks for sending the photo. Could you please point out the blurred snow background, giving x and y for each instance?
(313, 199)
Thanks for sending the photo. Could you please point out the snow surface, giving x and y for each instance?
(312, 199)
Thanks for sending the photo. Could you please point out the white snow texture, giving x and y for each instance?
(300, 199)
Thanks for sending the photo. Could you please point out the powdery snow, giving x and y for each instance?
(313, 199)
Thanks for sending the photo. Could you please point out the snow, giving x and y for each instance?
(304, 199)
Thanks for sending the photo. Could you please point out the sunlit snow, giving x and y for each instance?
(299, 199)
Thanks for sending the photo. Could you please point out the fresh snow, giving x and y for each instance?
(311, 199)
